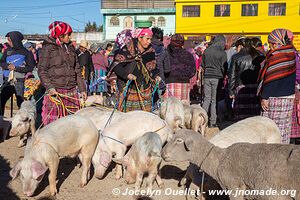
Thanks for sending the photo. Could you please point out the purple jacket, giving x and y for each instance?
(100, 61)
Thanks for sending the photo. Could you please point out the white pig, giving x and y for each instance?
(23, 123)
(66, 137)
(143, 157)
(172, 111)
(122, 133)
(99, 115)
(195, 118)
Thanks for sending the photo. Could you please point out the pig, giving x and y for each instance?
(23, 123)
(99, 115)
(5, 124)
(172, 111)
(95, 99)
(66, 137)
(122, 133)
(195, 118)
(143, 157)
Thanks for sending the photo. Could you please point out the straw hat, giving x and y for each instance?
(84, 43)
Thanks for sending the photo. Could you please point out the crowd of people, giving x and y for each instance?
(146, 69)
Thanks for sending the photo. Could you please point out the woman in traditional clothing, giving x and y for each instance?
(60, 74)
(183, 68)
(277, 82)
(134, 64)
(100, 62)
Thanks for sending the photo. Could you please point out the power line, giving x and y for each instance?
(50, 5)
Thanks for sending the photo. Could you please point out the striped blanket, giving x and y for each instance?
(279, 63)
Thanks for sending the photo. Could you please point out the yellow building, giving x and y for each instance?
(237, 17)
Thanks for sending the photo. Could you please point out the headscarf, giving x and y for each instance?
(140, 32)
(58, 28)
(123, 38)
(16, 38)
(278, 36)
(177, 40)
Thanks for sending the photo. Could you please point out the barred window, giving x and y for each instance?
(114, 21)
(161, 22)
(277, 9)
(152, 19)
(222, 10)
(190, 11)
(249, 9)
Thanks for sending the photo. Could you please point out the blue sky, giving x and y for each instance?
(34, 16)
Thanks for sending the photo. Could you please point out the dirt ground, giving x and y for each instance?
(68, 179)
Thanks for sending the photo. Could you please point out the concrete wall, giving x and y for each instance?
(90, 37)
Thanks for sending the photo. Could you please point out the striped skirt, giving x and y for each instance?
(280, 111)
(178, 90)
(52, 111)
(135, 101)
(295, 133)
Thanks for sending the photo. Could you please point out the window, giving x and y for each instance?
(222, 10)
(190, 11)
(114, 21)
(161, 22)
(152, 19)
(277, 9)
(128, 23)
(249, 9)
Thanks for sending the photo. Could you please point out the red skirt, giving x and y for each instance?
(70, 104)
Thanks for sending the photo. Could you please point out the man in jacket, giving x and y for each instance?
(85, 62)
(214, 63)
(16, 61)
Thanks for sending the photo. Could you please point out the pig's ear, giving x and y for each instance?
(105, 159)
(14, 172)
(37, 169)
(122, 161)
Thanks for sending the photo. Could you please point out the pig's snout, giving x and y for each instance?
(99, 172)
(28, 193)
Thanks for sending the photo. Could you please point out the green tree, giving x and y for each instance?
(90, 27)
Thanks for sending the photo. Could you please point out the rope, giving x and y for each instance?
(125, 90)
(40, 98)
(58, 102)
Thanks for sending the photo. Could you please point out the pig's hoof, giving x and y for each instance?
(162, 185)
(82, 185)
(118, 176)
(53, 192)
